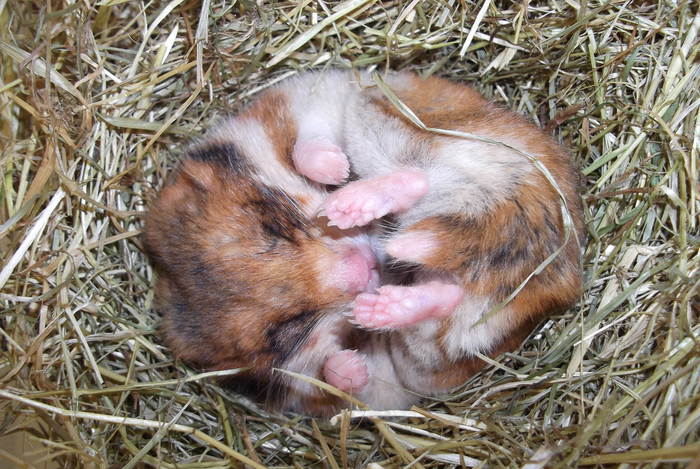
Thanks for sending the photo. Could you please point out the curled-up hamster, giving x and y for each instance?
(471, 220)
(251, 277)
(247, 276)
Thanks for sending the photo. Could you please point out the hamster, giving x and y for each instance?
(249, 276)
(471, 220)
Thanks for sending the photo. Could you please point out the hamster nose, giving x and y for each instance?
(350, 267)
(355, 270)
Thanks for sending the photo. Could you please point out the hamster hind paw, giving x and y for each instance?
(320, 160)
(397, 306)
(360, 202)
(346, 370)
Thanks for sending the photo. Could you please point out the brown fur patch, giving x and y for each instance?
(272, 111)
(437, 102)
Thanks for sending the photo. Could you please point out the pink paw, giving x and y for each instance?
(346, 370)
(396, 306)
(360, 202)
(320, 160)
(357, 204)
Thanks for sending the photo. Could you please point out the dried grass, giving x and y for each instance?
(95, 101)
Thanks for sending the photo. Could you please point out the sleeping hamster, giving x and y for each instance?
(249, 277)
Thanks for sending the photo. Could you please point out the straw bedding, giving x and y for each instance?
(97, 97)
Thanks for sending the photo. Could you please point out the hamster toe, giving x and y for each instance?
(347, 371)
(320, 160)
(370, 311)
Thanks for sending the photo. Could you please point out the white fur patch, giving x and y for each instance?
(318, 103)
(384, 390)
(469, 177)
(466, 337)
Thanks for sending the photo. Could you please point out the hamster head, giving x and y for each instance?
(235, 257)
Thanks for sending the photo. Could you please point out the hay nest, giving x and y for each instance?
(94, 98)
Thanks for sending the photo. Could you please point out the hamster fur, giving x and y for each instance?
(244, 263)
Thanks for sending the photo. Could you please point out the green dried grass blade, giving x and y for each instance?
(340, 11)
(39, 67)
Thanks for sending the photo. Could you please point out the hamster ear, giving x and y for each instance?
(187, 188)
(199, 175)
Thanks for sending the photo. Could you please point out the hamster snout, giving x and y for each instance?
(359, 267)
(354, 270)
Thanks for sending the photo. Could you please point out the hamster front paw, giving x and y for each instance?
(397, 306)
(347, 371)
(320, 160)
(360, 202)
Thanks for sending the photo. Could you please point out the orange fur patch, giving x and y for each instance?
(272, 111)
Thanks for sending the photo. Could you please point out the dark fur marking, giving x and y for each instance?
(553, 232)
(201, 275)
(451, 222)
(552, 229)
(476, 270)
(188, 324)
(223, 154)
(520, 256)
(271, 246)
(521, 210)
(285, 337)
(248, 384)
(503, 255)
(275, 229)
(280, 218)
(178, 312)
